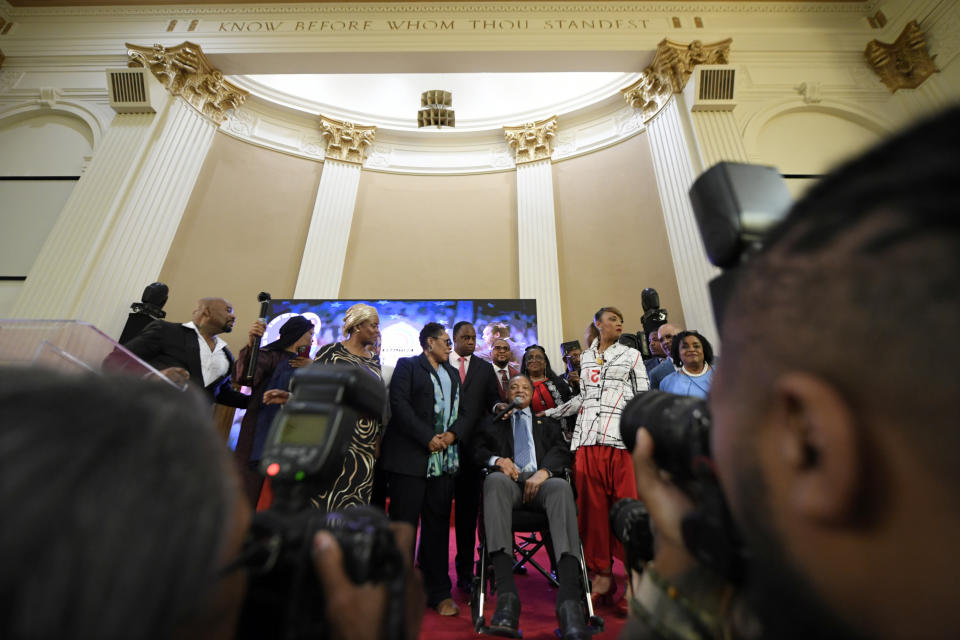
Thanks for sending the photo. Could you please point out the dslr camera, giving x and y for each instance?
(303, 456)
(735, 205)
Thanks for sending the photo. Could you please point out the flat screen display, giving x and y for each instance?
(402, 320)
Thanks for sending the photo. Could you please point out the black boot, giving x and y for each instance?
(573, 626)
(506, 617)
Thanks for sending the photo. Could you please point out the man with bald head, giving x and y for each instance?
(500, 355)
(193, 352)
(665, 335)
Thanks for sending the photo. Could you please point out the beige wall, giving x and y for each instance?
(433, 237)
(611, 239)
(243, 231)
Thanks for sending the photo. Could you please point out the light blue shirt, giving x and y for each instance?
(686, 385)
(446, 389)
(526, 419)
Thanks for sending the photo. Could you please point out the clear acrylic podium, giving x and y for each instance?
(70, 346)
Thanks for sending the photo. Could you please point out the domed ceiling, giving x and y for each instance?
(481, 101)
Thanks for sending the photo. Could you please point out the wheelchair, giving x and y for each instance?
(536, 529)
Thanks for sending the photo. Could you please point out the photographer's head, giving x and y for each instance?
(841, 465)
(121, 508)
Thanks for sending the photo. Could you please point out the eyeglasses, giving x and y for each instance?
(501, 348)
(446, 342)
(536, 355)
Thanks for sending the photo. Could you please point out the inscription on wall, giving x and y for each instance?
(439, 25)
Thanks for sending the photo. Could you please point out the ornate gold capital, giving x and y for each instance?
(185, 71)
(532, 141)
(672, 66)
(346, 141)
(906, 63)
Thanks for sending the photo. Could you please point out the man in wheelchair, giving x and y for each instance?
(528, 456)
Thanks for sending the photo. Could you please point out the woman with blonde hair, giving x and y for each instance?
(610, 375)
(361, 328)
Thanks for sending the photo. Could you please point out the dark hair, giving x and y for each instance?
(523, 361)
(678, 339)
(115, 490)
(592, 332)
(873, 241)
(430, 330)
(460, 325)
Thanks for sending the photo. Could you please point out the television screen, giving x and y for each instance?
(402, 320)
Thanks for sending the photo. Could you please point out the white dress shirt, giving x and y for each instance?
(213, 362)
(454, 359)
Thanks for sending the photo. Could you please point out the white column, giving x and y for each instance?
(147, 221)
(537, 240)
(321, 268)
(674, 170)
(718, 138)
(56, 278)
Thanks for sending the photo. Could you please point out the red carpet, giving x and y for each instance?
(537, 619)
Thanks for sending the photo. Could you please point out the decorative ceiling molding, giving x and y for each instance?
(669, 72)
(385, 121)
(532, 141)
(905, 64)
(346, 141)
(187, 73)
(294, 132)
(822, 6)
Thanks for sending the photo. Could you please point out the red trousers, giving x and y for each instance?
(603, 475)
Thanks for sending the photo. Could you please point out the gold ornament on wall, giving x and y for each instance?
(669, 72)
(906, 63)
(185, 71)
(346, 141)
(532, 141)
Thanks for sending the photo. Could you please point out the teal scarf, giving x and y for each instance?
(448, 460)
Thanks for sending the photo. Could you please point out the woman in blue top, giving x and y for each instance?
(695, 374)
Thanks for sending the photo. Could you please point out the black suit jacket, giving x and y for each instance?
(479, 392)
(405, 447)
(168, 344)
(495, 438)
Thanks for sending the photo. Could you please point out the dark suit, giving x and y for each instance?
(404, 454)
(478, 394)
(513, 370)
(168, 344)
(501, 494)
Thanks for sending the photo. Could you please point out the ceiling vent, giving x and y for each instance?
(131, 90)
(712, 88)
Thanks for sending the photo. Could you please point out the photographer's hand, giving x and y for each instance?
(356, 612)
(667, 506)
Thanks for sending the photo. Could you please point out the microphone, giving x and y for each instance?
(517, 401)
(264, 299)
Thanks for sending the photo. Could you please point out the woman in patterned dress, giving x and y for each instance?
(361, 327)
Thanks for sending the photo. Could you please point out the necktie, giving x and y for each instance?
(504, 383)
(463, 370)
(521, 443)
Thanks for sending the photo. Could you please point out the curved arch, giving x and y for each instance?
(94, 122)
(754, 125)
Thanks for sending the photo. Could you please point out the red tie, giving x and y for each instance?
(463, 370)
(503, 380)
